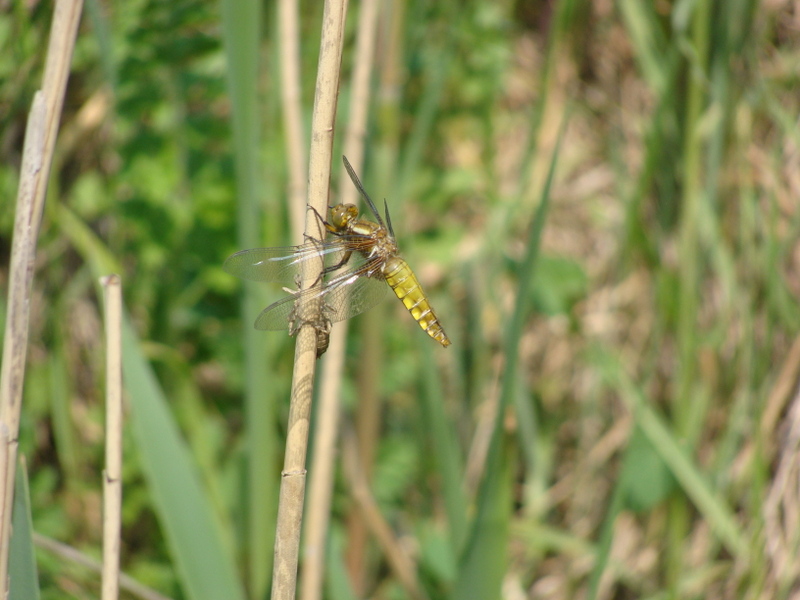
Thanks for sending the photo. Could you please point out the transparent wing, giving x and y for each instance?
(345, 296)
(281, 265)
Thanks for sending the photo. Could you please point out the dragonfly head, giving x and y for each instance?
(342, 215)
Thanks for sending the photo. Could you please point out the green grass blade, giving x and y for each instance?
(423, 124)
(643, 483)
(693, 482)
(647, 38)
(446, 452)
(485, 562)
(606, 537)
(67, 446)
(338, 586)
(22, 574)
(204, 563)
(241, 33)
(91, 248)
(489, 525)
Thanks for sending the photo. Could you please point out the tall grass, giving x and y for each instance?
(242, 31)
(618, 421)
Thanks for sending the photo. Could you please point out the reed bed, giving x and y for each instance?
(600, 200)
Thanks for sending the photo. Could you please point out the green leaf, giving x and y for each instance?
(557, 284)
(23, 578)
(645, 478)
(203, 560)
(692, 480)
(436, 554)
(485, 561)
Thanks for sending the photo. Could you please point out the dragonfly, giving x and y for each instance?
(360, 260)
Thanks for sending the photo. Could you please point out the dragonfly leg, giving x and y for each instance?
(322, 220)
(311, 238)
(317, 281)
(339, 265)
(298, 282)
(328, 269)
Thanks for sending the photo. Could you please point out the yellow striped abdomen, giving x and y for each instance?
(402, 280)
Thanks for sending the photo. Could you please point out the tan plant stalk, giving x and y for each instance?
(356, 132)
(40, 138)
(367, 425)
(290, 503)
(67, 553)
(398, 559)
(323, 460)
(112, 480)
(779, 397)
(294, 136)
(368, 416)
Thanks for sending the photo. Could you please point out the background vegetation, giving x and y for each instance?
(644, 361)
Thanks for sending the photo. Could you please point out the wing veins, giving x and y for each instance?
(348, 294)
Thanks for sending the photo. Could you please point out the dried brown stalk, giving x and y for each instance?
(69, 554)
(397, 557)
(40, 138)
(292, 110)
(290, 504)
(112, 480)
(323, 461)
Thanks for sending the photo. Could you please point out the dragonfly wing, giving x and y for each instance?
(360, 187)
(278, 314)
(281, 265)
(344, 297)
(352, 295)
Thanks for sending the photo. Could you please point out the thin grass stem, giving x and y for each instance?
(292, 105)
(242, 37)
(396, 556)
(292, 493)
(40, 139)
(318, 514)
(68, 553)
(112, 480)
(384, 158)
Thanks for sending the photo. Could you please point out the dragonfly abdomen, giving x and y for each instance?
(402, 280)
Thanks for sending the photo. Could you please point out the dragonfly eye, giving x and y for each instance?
(342, 214)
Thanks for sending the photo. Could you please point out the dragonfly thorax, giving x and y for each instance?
(384, 245)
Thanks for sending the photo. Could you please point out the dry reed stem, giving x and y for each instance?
(399, 561)
(356, 131)
(68, 553)
(367, 431)
(368, 416)
(322, 463)
(112, 480)
(323, 460)
(288, 30)
(290, 503)
(478, 452)
(779, 396)
(40, 137)
(781, 509)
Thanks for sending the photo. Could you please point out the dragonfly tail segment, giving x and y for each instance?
(402, 280)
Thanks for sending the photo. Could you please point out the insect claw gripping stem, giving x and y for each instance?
(310, 239)
(319, 216)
